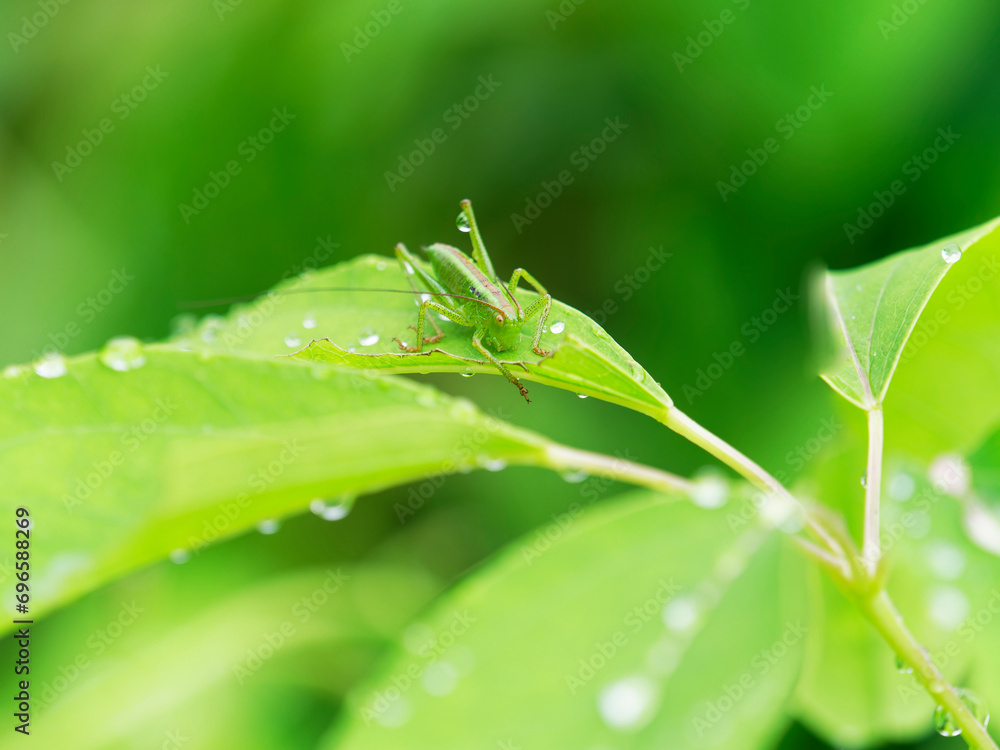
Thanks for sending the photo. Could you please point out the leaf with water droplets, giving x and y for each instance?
(356, 330)
(637, 624)
(143, 452)
(872, 311)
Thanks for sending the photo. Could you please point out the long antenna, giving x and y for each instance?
(194, 304)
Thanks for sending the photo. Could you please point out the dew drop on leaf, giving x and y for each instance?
(309, 321)
(123, 354)
(581, 395)
(902, 667)
(945, 724)
(332, 510)
(557, 327)
(51, 366)
(680, 614)
(462, 222)
(269, 526)
(574, 476)
(628, 704)
(368, 337)
(951, 253)
(710, 491)
(491, 464)
(293, 340)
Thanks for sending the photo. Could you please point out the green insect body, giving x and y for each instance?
(467, 291)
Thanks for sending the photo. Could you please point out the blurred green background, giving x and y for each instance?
(182, 86)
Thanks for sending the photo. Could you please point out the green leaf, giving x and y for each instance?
(356, 329)
(851, 691)
(122, 468)
(945, 396)
(634, 625)
(874, 309)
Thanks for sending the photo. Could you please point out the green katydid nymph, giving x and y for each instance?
(470, 294)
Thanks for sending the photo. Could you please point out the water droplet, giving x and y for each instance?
(180, 556)
(51, 366)
(333, 510)
(309, 321)
(902, 667)
(380, 265)
(462, 222)
(368, 337)
(948, 607)
(951, 253)
(13, 371)
(491, 464)
(574, 476)
(983, 527)
(183, 324)
(709, 491)
(864, 479)
(467, 373)
(901, 487)
(628, 704)
(945, 724)
(210, 326)
(680, 614)
(557, 327)
(269, 526)
(123, 354)
(292, 341)
(638, 374)
(439, 678)
(581, 395)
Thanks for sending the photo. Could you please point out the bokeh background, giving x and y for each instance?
(183, 85)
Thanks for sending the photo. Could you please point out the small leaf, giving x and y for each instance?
(636, 625)
(875, 308)
(356, 329)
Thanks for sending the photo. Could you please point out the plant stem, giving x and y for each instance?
(862, 585)
(883, 615)
(871, 547)
(564, 458)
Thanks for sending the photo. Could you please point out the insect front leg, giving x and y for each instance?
(543, 304)
(520, 273)
(455, 316)
(478, 343)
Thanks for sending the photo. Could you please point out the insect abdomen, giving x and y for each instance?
(459, 275)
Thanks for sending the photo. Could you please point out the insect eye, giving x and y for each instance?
(500, 318)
